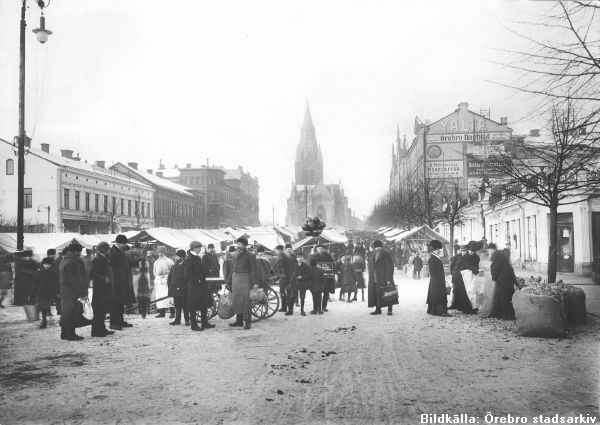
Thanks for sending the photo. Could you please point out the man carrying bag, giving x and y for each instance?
(382, 291)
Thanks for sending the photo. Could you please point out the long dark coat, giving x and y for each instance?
(45, 287)
(417, 264)
(317, 280)
(436, 294)
(121, 277)
(302, 276)
(178, 287)
(504, 277)
(264, 270)
(381, 271)
(460, 298)
(73, 285)
(25, 271)
(103, 299)
(199, 296)
(211, 265)
(325, 257)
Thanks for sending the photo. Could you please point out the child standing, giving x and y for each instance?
(317, 286)
(45, 288)
(302, 277)
(347, 277)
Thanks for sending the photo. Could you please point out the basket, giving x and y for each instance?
(32, 312)
(258, 296)
(224, 308)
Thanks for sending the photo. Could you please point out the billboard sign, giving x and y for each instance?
(487, 168)
(445, 169)
(467, 137)
(444, 151)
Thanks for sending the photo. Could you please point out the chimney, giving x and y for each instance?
(159, 174)
(161, 166)
(534, 132)
(133, 165)
(100, 164)
(45, 147)
(503, 120)
(76, 158)
(66, 153)
(463, 105)
(149, 171)
(188, 165)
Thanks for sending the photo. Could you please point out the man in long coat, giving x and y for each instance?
(103, 298)
(210, 262)
(437, 298)
(505, 280)
(199, 297)
(381, 274)
(178, 289)
(323, 257)
(122, 283)
(264, 267)
(73, 290)
(243, 277)
(282, 270)
(25, 270)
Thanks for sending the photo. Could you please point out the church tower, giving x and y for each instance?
(309, 159)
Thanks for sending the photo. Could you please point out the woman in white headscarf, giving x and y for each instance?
(162, 267)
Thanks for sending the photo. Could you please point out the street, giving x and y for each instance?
(342, 367)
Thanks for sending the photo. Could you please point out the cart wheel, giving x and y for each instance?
(212, 310)
(264, 311)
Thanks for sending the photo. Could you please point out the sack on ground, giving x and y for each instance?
(88, 311)
(224, 310)
(575, 305)
(539, 315)
(258, 296)
(389, 295)
(487, 303)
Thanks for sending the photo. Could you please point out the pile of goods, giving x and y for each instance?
(546, 309)
(313, 226)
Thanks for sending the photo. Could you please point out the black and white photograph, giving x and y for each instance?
(317, 212)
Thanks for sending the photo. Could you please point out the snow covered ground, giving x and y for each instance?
(343, 367)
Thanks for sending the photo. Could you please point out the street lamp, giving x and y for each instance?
(22, 141)
(47, 208)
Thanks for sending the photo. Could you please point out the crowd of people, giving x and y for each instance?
(122, 277)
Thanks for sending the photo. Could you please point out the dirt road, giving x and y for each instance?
(342, 367)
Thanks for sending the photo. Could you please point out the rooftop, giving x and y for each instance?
(157, 181)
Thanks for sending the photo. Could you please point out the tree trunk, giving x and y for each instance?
(552, 244)
(451, 250)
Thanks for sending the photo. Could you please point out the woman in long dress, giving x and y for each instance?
(437, 299)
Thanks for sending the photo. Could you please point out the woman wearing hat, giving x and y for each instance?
(381, 274)
(243, 275)
(437, 298)
(460, 297)
(162, 267)
(73, 290)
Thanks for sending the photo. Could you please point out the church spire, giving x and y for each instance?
(308, 129)
(398, 135)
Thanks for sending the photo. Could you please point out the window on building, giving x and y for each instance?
(122, 206)
(77, 196)
(87, 201)
(137, 206)
(148, 210)
(66, 198)
(105, 203)
(10, 167)
(27, 198)
(96, 203)
(129, 207)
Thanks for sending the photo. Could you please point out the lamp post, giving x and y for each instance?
(48, 209)
(22, 142)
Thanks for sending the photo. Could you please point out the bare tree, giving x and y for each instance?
(561, 171)
(453, 208)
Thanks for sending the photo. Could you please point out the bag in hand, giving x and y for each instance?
(258, 296)
(88, 311)
(389, 295)
(224, 309)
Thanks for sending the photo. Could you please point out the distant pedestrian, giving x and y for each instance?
(381, 275)
(302, 276)
(122, 283)
(505, 280)
(347, 276)
(74, 292)
(210, 262)
(103, 297)
(45, 288)
(162, 267)
(178, 289)
(317, 286)
(359, 267)
(417, 263)
(229, 255)
(437, 298)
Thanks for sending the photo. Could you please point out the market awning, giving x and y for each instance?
(419, 234)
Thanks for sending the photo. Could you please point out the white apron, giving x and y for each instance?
(162, 290)
(474, 287)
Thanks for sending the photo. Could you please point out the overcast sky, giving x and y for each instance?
(188, 80)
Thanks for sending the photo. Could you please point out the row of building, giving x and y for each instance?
(64, 193)
(452, 148)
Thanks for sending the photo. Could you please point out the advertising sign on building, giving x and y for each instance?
(487, 150)
(444, 151)
(467, 137)
(489, 168)
(445, 169)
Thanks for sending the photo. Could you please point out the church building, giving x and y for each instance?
(309, 195)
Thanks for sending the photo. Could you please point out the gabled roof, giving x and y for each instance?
(155, 180)
(61, 161)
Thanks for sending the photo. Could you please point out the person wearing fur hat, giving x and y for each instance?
(162, 267)
(437, 299)
(74, 291)
(199, 297)
(210, 262)
(122, 283)
(103, 297)
(178, 289)
(243, 276)
(45, 288)
(381, 275)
